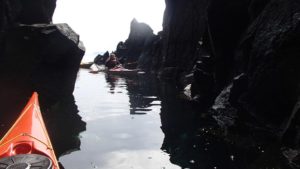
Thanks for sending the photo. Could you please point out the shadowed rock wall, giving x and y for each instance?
(183, 27)
(36, 51)
(247, 65)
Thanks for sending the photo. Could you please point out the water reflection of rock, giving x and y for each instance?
(142, 91)
(64, 125)
(111, 80)
(180, 124)
(194, 140)
(12, 100)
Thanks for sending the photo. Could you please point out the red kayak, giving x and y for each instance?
(27, 144)
(122, 71)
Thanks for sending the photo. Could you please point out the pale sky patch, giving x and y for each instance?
(101, 24)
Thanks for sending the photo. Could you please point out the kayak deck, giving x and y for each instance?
(123, 71)
(28, 135)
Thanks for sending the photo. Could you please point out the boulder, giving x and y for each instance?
(100, 59)
(44, 56)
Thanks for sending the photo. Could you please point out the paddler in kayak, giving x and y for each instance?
(112, 62)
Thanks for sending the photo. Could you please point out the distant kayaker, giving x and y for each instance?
(112, 61)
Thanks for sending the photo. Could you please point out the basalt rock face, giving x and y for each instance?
(100, 59)
(131, 49)
(201, 37)
(244, 57)
(224, 39)
(197, 31)
(227, 20)
(270, 55)
(183, 27)
(150, 57)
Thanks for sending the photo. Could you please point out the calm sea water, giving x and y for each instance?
(123, 124)
(138, 122)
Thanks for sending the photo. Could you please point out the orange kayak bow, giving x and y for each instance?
(27, 144)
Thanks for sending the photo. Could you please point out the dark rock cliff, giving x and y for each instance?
(254, 67)
(270, 54)
(183, 27)
(256, 38)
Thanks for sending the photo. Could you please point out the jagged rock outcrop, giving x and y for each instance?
(130, 51)
(149, 59)
(100, 59)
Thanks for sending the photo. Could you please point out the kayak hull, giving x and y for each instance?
(123, 71)
(28, 135)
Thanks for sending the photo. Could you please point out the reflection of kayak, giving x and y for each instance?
(27, 145)
(114, 71)
(86, 65)
(122, 71)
